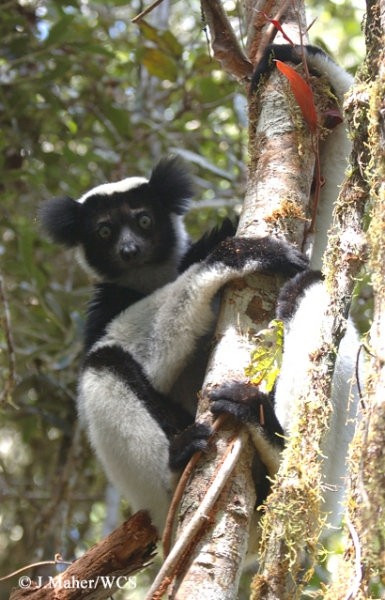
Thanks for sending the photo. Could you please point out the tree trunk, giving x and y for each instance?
(363, 562)
(280, 175)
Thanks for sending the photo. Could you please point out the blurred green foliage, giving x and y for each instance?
(87, 97)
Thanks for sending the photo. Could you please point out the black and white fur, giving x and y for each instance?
(334, 149)
(302, 305)
(147, 326)
(304, 299)
(151, 318)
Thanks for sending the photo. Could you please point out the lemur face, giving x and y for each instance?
(122, 231)
(122, 227)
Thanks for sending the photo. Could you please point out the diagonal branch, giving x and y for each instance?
(103, 569)
(224, 42)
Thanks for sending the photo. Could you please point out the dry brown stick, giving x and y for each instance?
(180, 488)
(103, 569)
(200, 516)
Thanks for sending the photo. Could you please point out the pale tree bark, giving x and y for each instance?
(277, 175)
(293, 521)
(364, 560)
(279, 183)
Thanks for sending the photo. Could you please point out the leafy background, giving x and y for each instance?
(86, 97)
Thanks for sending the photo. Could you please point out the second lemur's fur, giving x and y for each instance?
(335, 148)
(304, 300)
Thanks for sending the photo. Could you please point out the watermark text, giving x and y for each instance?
(107, 582)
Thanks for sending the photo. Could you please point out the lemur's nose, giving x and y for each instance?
(128, 250)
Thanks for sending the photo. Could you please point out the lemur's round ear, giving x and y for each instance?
(61, 219)
(172, 182)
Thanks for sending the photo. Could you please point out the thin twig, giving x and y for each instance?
(362, 347)
(57, 561)
(146, 11)
(259, 43)
(200, 517)
(180, 488)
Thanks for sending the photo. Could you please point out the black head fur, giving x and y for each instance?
(125, 226)
(60, 218)
(172, 183)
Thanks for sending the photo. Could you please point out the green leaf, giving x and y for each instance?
(170, 42)
(59, 31)
(118, 117)
(266, 359)
(164, 40)
(159, 64)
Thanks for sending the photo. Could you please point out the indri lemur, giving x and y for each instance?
(151, 317)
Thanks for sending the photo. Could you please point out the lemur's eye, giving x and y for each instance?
(145, 221)
(104, 230)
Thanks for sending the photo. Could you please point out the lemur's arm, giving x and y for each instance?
(110, 299)
(124, 389)
(161, 330)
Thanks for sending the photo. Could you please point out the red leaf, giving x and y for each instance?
(302, 93)
(277, 25)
